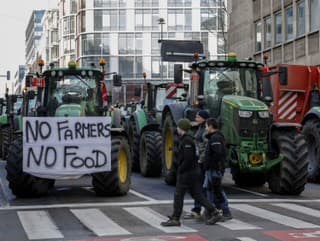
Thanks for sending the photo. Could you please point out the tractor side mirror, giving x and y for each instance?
(117, 80)
(178, 73)
(31, 95)
(266, 90)
(283, 75)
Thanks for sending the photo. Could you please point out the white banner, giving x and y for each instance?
(63, 146)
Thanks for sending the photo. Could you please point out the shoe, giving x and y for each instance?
(217, 216)
(171, 223)
(226, 217)
(191, 215)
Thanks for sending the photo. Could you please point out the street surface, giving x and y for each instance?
(73, 212)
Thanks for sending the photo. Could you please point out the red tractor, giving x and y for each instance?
(296, 100)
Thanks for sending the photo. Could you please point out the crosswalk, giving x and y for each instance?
(41, 224)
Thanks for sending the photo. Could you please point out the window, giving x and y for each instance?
(221, 43)
(122, 20)
(106, 4)
(314, 20)
(105, 20)
(258, 36)
(208, 19)
(138, 67)
(126, 42)
(95, 44)
(155, 67)
(188, 19)
(289, 23)
(138, 47)
(146, 19)
(73, 6)
(267, 32)
(126, 65)
(278, 27)
(301, 18)
(146, 3)
(155, 46)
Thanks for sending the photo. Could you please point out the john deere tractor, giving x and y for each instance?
(69, 136)
(259, 149)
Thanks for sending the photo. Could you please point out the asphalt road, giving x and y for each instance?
(73, 212)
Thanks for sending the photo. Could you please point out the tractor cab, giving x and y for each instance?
(71, 92)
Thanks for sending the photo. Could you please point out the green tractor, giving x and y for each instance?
(68, 136)
(144, 127)
(259, 150)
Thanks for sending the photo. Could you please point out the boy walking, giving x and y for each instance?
(188, 178)
(214, 164)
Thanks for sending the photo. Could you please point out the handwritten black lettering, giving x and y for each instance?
(78, 130)
(66, 153)
(50, 153)
(34, 156)
(100, 162)
(62, 126)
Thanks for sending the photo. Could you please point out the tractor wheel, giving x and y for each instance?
(134, 141)
(150, 154)
(169, 148)
(289, 176)
(5, 132)
(23, 184)
(117, 181)
(246, 179)
(311, 131)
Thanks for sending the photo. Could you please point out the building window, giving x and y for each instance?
(138, 44)
(188, 19)
(126, 41)
(155, 45)
(126, 66)
(155, 67)
(146, 19)
(106, 4)
(221, 43)
(258, 35)
(95, 44)
(73, 6)
(289, 23)
(146, 3)
(314, 19)
(138, 67)
(208, 19)
(267, 32)
(176, 19)
(301, 18)
(105, 20)
(278, 27)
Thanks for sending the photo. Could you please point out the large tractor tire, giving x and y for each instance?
(311, 131)
(245, 179)
(150, 154)
(134, 141)
(170, 144)
(117, 181)
(290, 176)
(5, 132)
(23, 184)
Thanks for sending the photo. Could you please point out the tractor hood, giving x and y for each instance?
(73, 110)
(244, 103)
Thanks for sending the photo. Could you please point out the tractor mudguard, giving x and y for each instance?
(119, 132)
(140, 119)
(176, 111)
(151, 127)
(314, 112)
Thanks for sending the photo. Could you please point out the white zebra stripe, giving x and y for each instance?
(274, 217)
(290, 101)
(246, 239)
(39, 225)
(98, 222)
(154, 219)
(299, 209)
(288, 111)
(235, 224)
(283, 98)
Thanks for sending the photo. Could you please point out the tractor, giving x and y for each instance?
(297, 101)
(259, 148)
(144, 127)
(69, 135)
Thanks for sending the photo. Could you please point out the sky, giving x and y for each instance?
(14, 17)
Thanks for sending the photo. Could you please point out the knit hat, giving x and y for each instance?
(184, 124)
(203, 114)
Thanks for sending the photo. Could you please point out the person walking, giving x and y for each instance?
(188, 178)
(201, 142)
(214, 164)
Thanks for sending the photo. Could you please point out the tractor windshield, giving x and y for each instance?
(17, 106)
(230, 81)
(71, 89)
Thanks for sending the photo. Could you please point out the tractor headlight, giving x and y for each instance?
(263, 114)
(245, 113)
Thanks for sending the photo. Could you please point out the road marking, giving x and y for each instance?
(154, 219)
(235, 224)
(248, 191)
(142, 195)
(299, 209)
(147, 203)
(39, 225)
(98, 222)
(246, 239)
(272, 216)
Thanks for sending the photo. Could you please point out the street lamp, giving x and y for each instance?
(161, 21)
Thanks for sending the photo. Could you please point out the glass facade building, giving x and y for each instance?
(126, 33)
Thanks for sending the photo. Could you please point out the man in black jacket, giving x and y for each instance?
(214, 164)
(188, 178)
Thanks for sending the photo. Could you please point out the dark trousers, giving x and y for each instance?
(192, 184)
